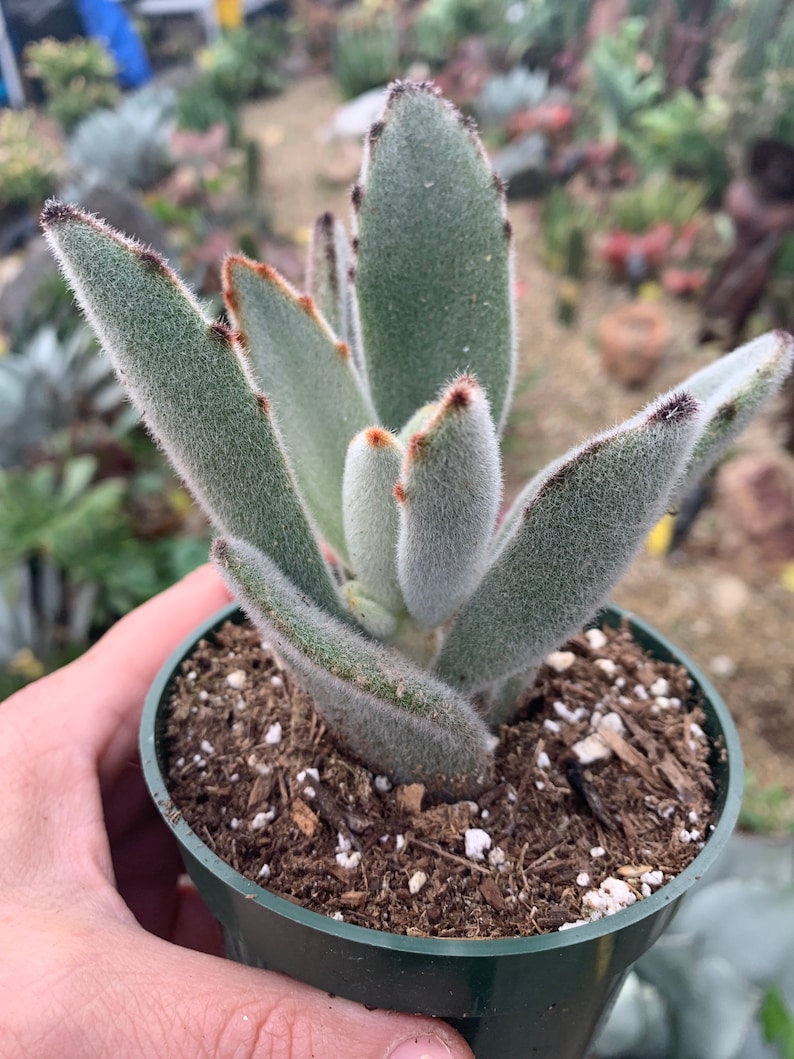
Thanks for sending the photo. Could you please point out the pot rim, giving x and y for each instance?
(729, 804)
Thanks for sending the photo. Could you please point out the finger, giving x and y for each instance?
(58, 733)
(96, 701)
(156, 999)
(135, 649)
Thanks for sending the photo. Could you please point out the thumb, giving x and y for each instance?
(252, 1013)
(161, 1000)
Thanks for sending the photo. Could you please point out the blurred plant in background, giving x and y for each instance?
(76, 77)
(91, 524)
(127, 146)
(244, 64)
(442, 25)
(367, 47)
(30, 161)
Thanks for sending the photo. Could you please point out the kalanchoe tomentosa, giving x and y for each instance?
(367, 415)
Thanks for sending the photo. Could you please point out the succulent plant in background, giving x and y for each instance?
(363, 421)
(47, 385)
(29, 161)
(77, 76)
(366, 50)
(127, 146)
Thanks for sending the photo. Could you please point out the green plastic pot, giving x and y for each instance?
(539, 996)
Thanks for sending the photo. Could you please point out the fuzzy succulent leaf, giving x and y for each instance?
(185, 375)
(733, 389)
(576, 536)
(417, 422)
(373, 618)
(370, 513)
(449, 493)
(308, 375)
(399, 718)
(433, 266)
(328, 283)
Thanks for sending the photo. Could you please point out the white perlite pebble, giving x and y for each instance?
(399, 842)
(596, 639)
(610, 897)
(652, 878)
(477, 843)
(383, 784)
(591, 748)
(543, 760)
(344, 845)
(308, 774)
(497, 857)
(566, 714)
(276, 682)
(349, 861)
(606, 665)
(338, 917)
(273, 734)
(540, 785)
(264, 872)
(613, 722)
(416, 882)
(640, 693)
(660, 687)
(597, 851)
(582, 879)
(559, 661)
(236, 679)
(207, 747)
(551, 726)
(263, 819)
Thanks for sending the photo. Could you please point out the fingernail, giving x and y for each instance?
(429, 1047)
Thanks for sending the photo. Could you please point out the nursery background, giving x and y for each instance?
(648, 149)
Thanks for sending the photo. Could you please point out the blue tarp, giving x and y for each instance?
(108, 22)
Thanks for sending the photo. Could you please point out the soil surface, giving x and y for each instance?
(601, 793)
(729, 610)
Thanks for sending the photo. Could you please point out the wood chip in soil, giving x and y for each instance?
(543, 837)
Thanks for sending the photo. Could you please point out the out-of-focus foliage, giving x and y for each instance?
(127, 146)
(657, 199)
(77, 77)
(243, 64)
(366, 49)
(29, 161)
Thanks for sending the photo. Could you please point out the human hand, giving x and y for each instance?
(102, 954)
